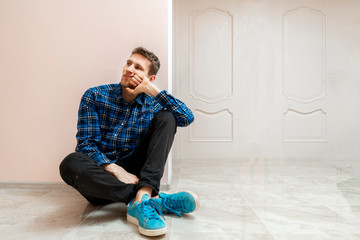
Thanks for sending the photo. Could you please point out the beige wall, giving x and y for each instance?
(51, 51)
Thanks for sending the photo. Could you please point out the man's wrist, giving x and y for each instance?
(107, 166)
(152, 90)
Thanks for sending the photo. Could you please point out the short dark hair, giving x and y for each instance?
(155, 63)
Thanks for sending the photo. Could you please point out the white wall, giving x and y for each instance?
(51, 52)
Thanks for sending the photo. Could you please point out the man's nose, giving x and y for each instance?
(130, 68)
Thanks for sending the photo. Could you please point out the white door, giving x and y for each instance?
(276, 78)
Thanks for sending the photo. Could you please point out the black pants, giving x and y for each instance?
(147, 162)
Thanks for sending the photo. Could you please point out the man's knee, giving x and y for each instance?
(165, 118)
(70, 166)
(68, 162)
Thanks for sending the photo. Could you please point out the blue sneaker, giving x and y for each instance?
(146, 216)
(181, 202)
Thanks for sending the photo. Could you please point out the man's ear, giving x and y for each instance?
(152, 78)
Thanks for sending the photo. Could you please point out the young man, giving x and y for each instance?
(125, 132)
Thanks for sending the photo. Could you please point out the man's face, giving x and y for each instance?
(136, 64)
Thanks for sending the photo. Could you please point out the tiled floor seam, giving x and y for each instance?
(83, 220)
(351, 186)
(261, 220)
(252, 209)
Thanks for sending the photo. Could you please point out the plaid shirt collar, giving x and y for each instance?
(139, 100)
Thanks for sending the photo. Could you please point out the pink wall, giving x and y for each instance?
(51, 51)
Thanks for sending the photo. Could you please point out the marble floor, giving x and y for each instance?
(240, 199)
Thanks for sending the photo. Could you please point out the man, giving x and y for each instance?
(125, 132)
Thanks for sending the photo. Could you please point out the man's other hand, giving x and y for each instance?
(120, 173)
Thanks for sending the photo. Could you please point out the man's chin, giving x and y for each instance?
(130, 87)
(125, 85)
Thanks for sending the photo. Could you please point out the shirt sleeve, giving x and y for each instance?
(183, 114)
(88, 135)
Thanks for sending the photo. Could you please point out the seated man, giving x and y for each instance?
(125, 132)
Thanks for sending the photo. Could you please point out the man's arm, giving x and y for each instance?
(89, 136)
(183, 114)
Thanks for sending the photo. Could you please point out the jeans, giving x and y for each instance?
(147, 162)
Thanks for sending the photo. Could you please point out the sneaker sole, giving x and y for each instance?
(146, 232)
(197, 202)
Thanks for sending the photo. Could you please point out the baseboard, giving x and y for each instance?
(51, 185)
(164, 186)
(33, 185)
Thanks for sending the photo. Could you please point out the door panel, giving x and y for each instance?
(269, 78)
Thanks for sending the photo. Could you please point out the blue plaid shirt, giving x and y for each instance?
(110, 129)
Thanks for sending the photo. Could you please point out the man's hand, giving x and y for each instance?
(120, 173)
(142, 84)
